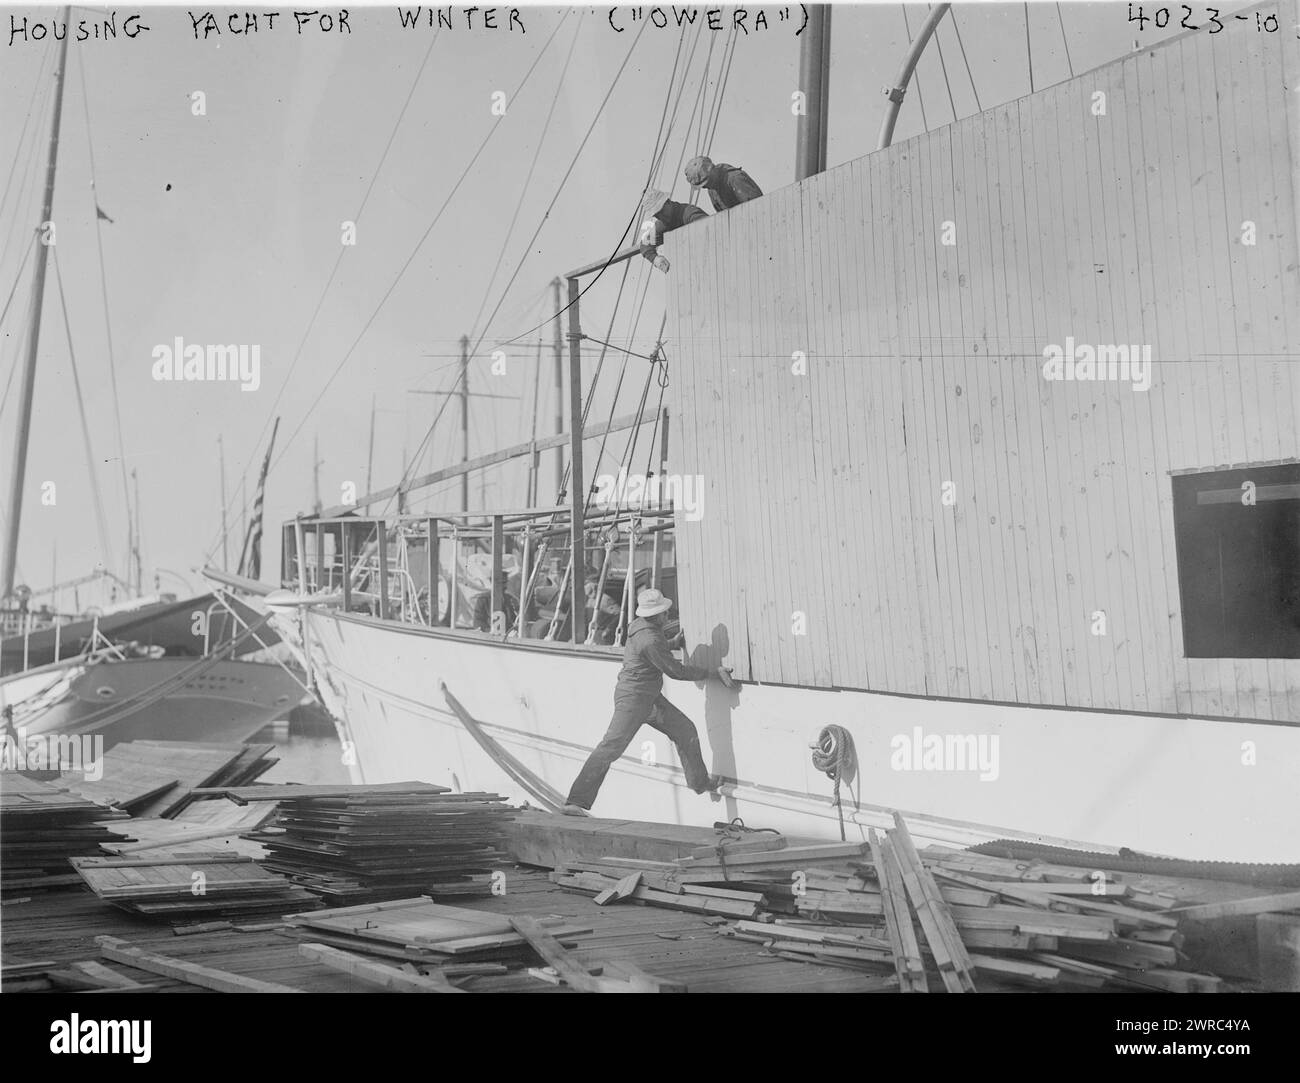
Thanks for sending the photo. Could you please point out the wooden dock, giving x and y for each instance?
(62, 927)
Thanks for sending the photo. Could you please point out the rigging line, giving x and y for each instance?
(938, 41)
(37, 86)
(101, 519)
(657, 157)
(722, 91)
(563, 181)
(632, 433)
(672, 122)
(920, 95)
(343, 249)
(1064, 40)
(29, 179)
(523, 192)
(708, 63)
(284, 449)
(103, 290)
(17, 278)
(1029, 49)
(952, 14)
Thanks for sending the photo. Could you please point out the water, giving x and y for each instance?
(307, 758)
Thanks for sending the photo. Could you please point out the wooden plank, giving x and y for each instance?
(1263, 904)
(245, 794)
(573, 973)
(374, 973)
(928, 902)
(620, 890)
(120, 951)
(908, 964)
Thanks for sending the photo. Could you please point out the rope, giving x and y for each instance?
(938, 41)
(920, 95)
(101, 519)
(343, 249)
(836, 757)
(957, 30)
(1065, 41)
(103, 290)
(284, 450)
(1029, 49)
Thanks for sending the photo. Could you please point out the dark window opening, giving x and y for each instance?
(1239, 563)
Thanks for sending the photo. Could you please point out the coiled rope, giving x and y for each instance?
(835, 755)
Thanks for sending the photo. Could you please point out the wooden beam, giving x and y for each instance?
(371, 972)
(1262, 904)
(119, 951)
(515, 451)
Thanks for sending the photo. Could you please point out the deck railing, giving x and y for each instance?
(503, 573)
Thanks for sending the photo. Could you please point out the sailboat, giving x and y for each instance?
(996, 430)
(151, 667)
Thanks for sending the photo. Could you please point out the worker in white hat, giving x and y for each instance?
(728, 185)
(639, 700)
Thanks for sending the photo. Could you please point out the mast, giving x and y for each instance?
(27, 385)
(557, 344)
(139, 566)
(464, 419)
(315, 475)
(814, 81)
(225, 554)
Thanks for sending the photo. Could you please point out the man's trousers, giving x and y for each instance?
(629, 716)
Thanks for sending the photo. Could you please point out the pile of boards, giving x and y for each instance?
(941, 913)
(353, 843)
(191, 888)
(421, 930)
(425, 947)
(217, 823)
(40, 828)
(156, 778)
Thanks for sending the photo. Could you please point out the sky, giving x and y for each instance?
(228, 225)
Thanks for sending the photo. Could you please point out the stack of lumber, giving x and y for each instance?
(218, 824)
(422, 931)
(41, 828)
(957, 914)
(738, 881)
(191, 888)
(155, 778)
(353, 843)
(941, 918)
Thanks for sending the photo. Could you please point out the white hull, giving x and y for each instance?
(1184, 787)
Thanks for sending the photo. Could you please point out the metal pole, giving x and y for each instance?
(810, 127)
(899, 89)
(578, 492)
(464, 419)
(558, 347)
(27, 383)
(370, 454)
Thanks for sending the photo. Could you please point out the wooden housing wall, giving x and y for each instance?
(824, 492)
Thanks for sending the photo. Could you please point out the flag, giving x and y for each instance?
(250, 561)
(99, 213)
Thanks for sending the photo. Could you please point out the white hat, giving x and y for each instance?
(651, 602)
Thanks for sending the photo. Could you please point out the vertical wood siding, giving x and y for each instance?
(826, 555)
